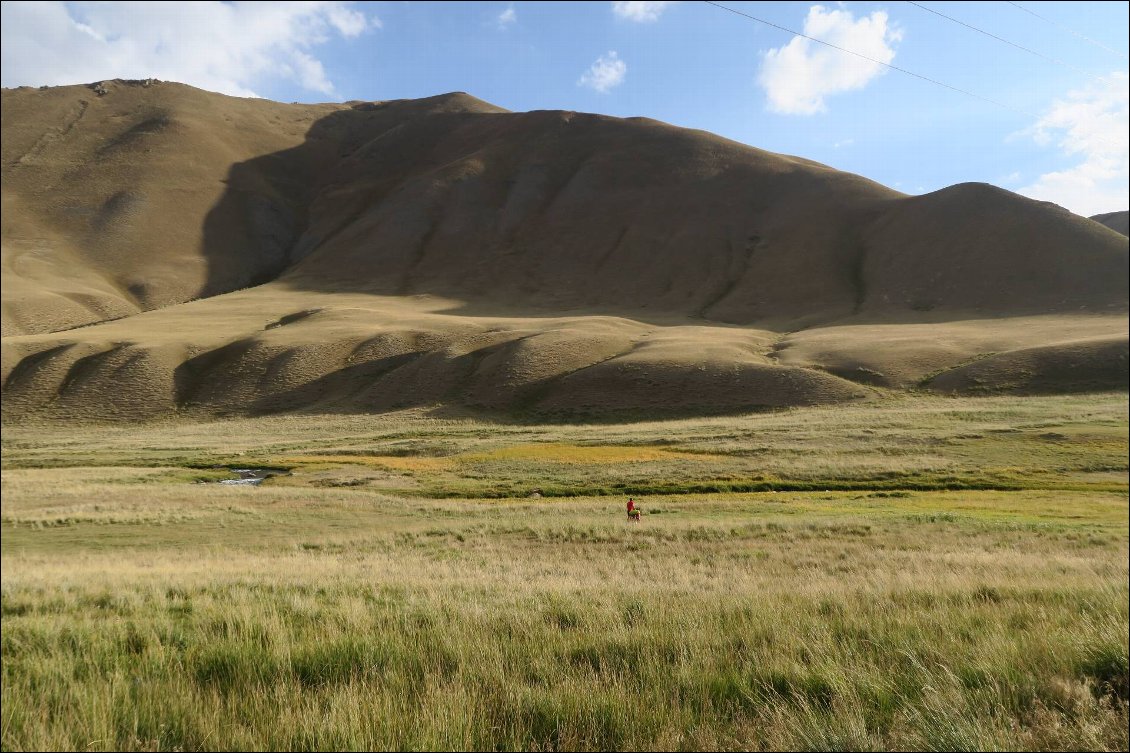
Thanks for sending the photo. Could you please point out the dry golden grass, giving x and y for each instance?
(555, 453)
(585, 455)
(142, 610)
(274, 618)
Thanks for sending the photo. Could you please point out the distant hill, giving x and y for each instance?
(1116, 221)
(446, 251)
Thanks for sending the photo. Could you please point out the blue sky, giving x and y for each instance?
(1061, 135)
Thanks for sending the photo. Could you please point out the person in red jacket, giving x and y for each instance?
(633, 513)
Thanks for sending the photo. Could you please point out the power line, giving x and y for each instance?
(1002, 39)
(873, 60)
(887, 65)
(1069, 31)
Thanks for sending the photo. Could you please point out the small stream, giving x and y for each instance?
(249, 476)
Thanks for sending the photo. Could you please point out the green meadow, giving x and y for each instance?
(910, 573)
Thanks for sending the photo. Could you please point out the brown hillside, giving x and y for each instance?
(1119, 222)
(105, 195)
(444, 250)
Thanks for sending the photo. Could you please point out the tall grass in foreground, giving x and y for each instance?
(335, 665)
(349, 607)
(714, 624)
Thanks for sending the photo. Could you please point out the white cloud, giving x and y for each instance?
(507, 17)
(222, 47)
(640, 11)
(606, 73)
(798, 76)
(1090, 125)
(841, 144)
(349, 22)
(309, 73)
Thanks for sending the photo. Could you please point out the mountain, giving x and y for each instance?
(167, 249)
(1119, 222)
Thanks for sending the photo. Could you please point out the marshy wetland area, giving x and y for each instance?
(909, 572)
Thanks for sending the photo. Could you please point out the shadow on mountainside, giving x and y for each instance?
(550, 213)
